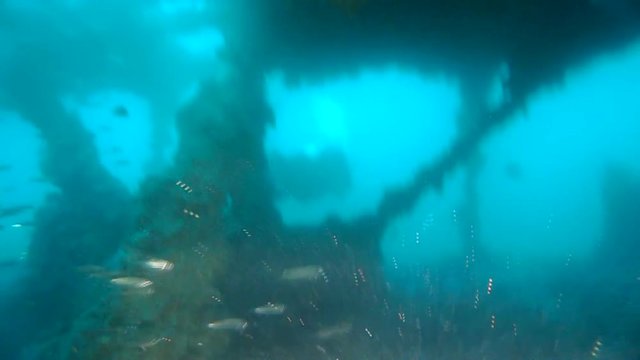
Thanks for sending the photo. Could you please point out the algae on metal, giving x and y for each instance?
(189, 228)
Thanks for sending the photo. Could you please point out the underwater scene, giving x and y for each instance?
(320, 179)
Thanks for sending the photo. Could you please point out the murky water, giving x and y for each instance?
(319, 179)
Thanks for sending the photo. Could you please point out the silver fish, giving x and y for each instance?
(331, 332)
(132, 282)
(96, 271)
(270, 309)
(158, 264)
(231, 324)
(302, 273)
(153, 342)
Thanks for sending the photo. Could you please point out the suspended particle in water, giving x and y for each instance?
(568, 260)
(428, 222)
(266, 266)
(362, 277)
(402, 317)
(597, 346)
(476, 300)
(191, 213)
(314, 306)
(515, 330)
(324, 276)
(200, 249)
(490, 286)
(493, 321)
(184, 186)
(368, 332)
(447, 327)
(559, 301)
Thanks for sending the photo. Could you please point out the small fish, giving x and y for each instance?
(270, 309)
(22, 224)
(321, 349)
(331, 332)
(231, 324)
(158, 264)
(132, 282)
(96, 271)
(153, 342)
(302, 273)
(120, 111)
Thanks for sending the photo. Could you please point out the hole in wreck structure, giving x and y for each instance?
(538, 184)
(362, 134)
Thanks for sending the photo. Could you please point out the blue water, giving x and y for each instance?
(164, 168)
